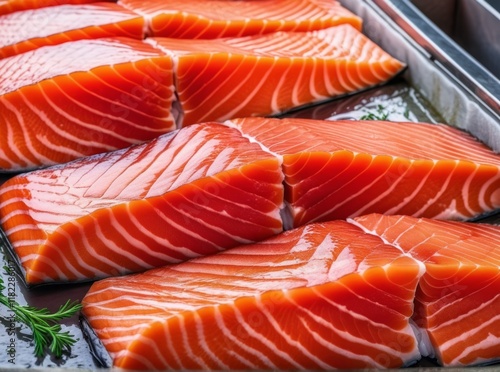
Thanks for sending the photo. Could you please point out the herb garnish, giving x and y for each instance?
(47, 332)
(382, 114)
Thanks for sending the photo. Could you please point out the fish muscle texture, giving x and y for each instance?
(341, 169)
(262, 75)
(318, 297)
(143, 207)
(62, 102)
(458, 298)
(200, 19)
(58, 24)
(300, 171)
(9, 6)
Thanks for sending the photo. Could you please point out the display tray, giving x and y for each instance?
(427, 91)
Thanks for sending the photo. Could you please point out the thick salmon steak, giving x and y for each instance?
(341, 169)
(263, 75)
(61, 102)
(189, 193)
(201, 19)
(457, 302)
(30, 29)
(323, 296)
(9, 6)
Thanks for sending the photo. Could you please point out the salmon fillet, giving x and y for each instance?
(457, 303)
(264, 75)
(296, 170)
(58, 24)
(322, 296)
(200, 19)
(83, 97)
(9, 6)
(341, 169)
(143, 207)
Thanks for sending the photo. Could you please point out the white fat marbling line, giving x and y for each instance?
(41, 275)
(416, 190)
(9, 136)
(365, 190)
(444, 188)
(169, 348)
(320, 322)
(461, 317)
(110, 245)
(27, 140)
(487, 342)
(157, 239)
(279, 87)
(71, 252)
(91, 126)
(202, 342)
(279, 331)
(186, 342)
(144, 360)
(268, 347)
(155, 347)
(345, 310)
(485, 202)
(244, 82)
(409, 356)
(135, 241)
(136, 318)
(229, 334)
(52, 130)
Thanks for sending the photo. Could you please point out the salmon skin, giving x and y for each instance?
(116, 92)
(143, 207)
(265, 75)
(323, 296)
(457, 303)
(9, 6)
(58, 24)
(61, 102)
(300, 171)
(341, 169)
(200, 19)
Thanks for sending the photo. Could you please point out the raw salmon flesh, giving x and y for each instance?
(10, 6)
(58, 24)
(145, 206)
(209, 187)
(457, 303)
(322, 296)
(87, 96)
(201, 19)
(62, 102)
(263, 75)
(145, 155)
(378, 292)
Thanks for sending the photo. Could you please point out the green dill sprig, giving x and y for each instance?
(47, 332)
(382, 114)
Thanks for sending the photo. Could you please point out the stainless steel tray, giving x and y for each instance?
(427, 91)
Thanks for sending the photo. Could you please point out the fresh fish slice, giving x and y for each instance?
(457, 303)
(323, 296)
(30, 29)
(61, 102)
(201, 19)
(331, 170)
(143, 207)
(9, 6)
(341, 169)
(263, 75)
